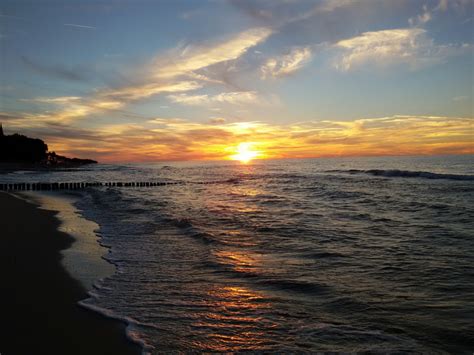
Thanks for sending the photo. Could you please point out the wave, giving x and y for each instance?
(186, 225)
(406, 174)
(324, 255)
(131, 324)
(293, 285)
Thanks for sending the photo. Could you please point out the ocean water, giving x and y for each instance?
(330, 255)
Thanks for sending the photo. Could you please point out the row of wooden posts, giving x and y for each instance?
(52, 186)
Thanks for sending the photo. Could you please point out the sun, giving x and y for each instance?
(245, 153)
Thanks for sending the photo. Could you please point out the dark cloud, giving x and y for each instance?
(58, 71)
(6, 117)
(316, 21)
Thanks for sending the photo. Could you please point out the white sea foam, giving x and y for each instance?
(131, 331)
(84, 259)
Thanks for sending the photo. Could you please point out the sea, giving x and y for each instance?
(290, 256)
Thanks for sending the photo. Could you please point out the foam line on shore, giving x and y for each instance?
(84, 259)
(147, 348)
(38, 286)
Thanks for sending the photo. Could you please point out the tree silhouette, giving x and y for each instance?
(17, 148)
(22, 149)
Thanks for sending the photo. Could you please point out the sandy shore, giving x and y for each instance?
(38, 308)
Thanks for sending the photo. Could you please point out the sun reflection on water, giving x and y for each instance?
(234, 320)
(245, 262)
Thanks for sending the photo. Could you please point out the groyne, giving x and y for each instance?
(53, 186)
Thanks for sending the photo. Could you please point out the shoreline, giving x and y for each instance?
(40, 299)
(85, 259)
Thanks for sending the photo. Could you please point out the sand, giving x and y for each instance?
(38, 309)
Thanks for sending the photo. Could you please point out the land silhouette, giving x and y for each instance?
(33, 152)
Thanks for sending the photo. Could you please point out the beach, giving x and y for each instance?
(39, 306)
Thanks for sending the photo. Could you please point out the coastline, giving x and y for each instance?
(39, 305)
(85, 259)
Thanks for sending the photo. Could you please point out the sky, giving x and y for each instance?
(143, 80)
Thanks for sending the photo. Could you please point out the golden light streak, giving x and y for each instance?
(180, 139)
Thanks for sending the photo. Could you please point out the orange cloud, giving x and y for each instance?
(179, 139)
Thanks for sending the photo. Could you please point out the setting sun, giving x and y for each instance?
(245, 153)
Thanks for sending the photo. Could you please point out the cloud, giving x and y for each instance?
(67, 109)
(192, 58)
(458, 5)
(164, 75)
(136, 92)
(327, 24)
(71, 108)
(425, 17)
(172, 74)
(55, 100)
(190, 14)
(286, 64)
(190, 99)
(223, 98)
(57, 71)
(13, 17)
(331, 5)
(279, 14)
(443, 5)
(324, 7)
(384, 48)
(257, 10)
(217, 120)
(181, 139)
(80, 26)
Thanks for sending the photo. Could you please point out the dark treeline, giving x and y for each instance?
(17, 148)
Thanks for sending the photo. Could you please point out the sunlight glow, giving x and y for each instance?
(245, 153)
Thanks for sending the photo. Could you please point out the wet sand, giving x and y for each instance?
(38, 308)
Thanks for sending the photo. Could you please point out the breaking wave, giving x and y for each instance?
(406, 174)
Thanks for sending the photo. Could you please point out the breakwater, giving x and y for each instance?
(53, 186)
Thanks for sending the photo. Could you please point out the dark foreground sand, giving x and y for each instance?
(38, 304)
